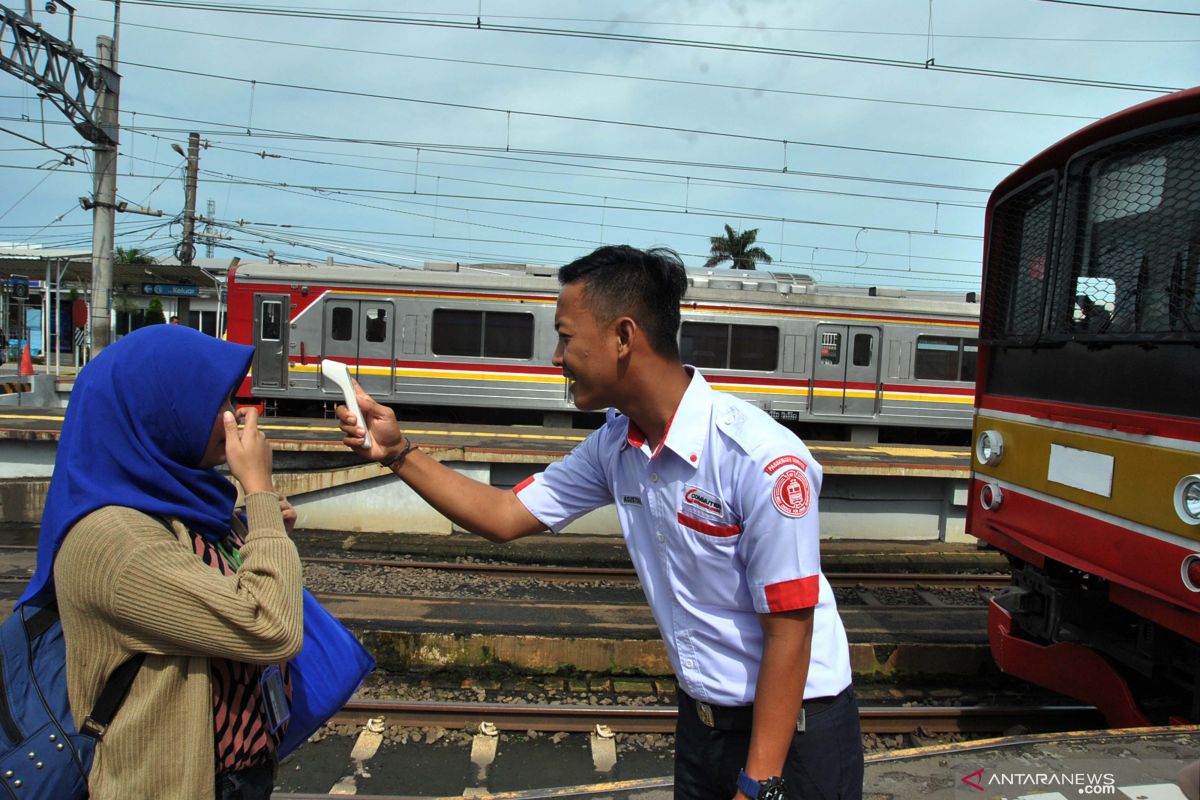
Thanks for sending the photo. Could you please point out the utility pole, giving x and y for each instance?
(186, 250)
(70, 80)
(104, 196)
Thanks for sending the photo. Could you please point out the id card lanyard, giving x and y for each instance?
(274, 693)
(231, 554)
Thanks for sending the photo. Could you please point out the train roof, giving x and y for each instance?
(711, 285)
(1168, 108)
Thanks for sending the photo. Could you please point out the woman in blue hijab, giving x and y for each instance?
(143, 552)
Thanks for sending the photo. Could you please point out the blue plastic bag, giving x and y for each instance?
(329, 669)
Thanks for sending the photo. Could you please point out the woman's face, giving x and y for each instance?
(214, 454)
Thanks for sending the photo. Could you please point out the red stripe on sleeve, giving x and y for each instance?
(517, 489)
(793, 595)
(707, 528)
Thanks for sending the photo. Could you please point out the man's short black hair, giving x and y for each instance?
(647, 285)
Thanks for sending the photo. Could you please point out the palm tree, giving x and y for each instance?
(131, 255)
(737, 247)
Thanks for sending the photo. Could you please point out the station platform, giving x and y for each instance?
(536, 444)
(871, 491)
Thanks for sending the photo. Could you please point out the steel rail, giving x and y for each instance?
(661, 719)
(866, 580)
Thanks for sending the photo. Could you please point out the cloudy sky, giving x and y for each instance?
(533, 131)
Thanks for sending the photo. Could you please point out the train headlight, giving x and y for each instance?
(1190, 570)
(989, 448)
(1187, 499)
(990, 496)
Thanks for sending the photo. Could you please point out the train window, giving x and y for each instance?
(271, 323)
(970, 356)
(831, 348)
(491, 334)
(507, 335)
(945, 358)
(712, 346)
(704, 345)
(1018, 263)
(341, 324)
(1128, 189)
(456, 333)
(376, 324)
(1131, 267)
(754, 347)
(861, 356)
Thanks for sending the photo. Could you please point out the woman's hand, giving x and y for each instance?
(289, 514)
(248, 453)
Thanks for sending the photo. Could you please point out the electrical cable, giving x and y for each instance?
(610, 36)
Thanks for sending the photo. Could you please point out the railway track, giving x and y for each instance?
(864, 580)
(661, 719)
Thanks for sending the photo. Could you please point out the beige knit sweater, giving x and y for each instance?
(127, 585)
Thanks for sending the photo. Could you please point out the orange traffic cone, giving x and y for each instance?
(26, 367)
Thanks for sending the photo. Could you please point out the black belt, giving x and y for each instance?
(741, 718)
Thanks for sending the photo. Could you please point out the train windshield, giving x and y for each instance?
(1128, 260)
(1104, 255)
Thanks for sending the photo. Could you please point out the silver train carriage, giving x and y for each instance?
(848, 362)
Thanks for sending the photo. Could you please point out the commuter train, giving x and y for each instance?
(479, 338)
(1086, 458)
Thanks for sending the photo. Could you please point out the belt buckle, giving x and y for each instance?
(705, 712)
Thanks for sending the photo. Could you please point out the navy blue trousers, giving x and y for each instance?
(824, 763)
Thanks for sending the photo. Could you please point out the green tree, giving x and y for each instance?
(738, 247)
(154, 313)
(132, 255)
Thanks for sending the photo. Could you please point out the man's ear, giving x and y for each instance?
(627, 331)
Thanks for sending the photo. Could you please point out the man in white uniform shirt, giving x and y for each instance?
(718, 505)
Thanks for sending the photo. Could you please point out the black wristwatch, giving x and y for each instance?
(769, 789)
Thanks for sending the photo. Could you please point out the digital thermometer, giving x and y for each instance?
(336, 371)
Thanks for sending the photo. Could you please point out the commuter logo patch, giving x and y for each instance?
(698, 498)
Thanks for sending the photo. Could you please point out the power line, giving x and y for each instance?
(572, 118)
(757, 90)
(678, 183)
(652, 40)
(239, 130)
(1125, 8)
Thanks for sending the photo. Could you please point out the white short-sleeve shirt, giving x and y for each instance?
(721, 524)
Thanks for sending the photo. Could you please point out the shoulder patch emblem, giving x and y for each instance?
(792, 494)
(785, 461)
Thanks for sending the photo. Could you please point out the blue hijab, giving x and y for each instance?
(136, 428)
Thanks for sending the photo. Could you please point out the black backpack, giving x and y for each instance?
(43, 755)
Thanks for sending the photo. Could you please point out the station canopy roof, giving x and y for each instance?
(30, 262)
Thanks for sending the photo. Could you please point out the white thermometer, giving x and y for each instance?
(336, 371)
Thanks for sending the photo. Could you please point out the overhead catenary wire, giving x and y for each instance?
(774, 140)
(375, 18)
(1138, 9)
(236, 130)
(756, 90)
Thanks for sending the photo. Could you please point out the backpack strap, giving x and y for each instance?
(111, 697)
(115, 688)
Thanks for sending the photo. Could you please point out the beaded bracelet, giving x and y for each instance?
(398, 459)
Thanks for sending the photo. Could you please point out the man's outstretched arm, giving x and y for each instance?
(494, 514)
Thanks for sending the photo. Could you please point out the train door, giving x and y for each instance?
(846, 373)
(271, 314)
(361, 333)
